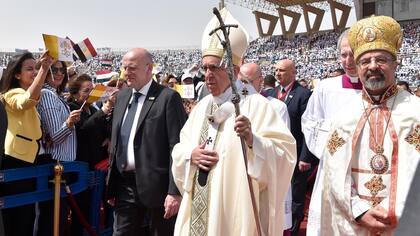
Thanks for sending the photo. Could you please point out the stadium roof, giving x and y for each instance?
(275, 10)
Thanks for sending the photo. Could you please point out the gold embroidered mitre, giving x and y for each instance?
(211, 46)
(375, 33)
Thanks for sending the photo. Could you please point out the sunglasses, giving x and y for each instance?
(55, 70)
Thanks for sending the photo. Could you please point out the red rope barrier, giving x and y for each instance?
(79, 214)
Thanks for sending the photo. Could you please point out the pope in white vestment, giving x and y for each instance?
(208, 163)
(270, 165)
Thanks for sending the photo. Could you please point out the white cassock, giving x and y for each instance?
(350, 185)
(329, 97)
(281, 109)
(270, 164)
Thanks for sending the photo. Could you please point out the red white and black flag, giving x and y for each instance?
(75, 57)
(106, 62)
(85, 50)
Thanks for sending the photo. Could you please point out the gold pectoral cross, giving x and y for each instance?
(335, 142)
(375, 185)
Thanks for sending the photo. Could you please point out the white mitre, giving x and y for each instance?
(211, 46)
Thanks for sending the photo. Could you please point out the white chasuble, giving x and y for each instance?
(270, 164)
(329, 97)
(354, 181)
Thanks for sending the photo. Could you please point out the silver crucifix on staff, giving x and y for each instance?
(235, 100)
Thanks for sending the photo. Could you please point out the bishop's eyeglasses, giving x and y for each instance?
(380, 61)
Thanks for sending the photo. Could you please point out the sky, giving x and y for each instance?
(151, 24)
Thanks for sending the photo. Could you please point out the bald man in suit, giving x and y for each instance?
(296, 98)
(146, 124)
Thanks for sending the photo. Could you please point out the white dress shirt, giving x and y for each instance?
(131, 164)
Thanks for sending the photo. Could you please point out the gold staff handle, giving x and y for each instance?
(58, 171)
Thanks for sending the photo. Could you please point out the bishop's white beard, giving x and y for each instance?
(374, 83)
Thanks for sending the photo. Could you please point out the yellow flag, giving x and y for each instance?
(59, 48)
(185, 90)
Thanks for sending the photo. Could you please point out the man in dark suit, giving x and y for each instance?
(146, 124)
(296, 97)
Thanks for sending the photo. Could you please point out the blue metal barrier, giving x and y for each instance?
(95, 180)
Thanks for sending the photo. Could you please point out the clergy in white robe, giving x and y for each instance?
(347, 189)
(328, 98)
(208, 163)
(373, 147)
(270, 164)
(250, 74)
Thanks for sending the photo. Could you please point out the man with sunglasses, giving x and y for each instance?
(373, 148)
(208, 164)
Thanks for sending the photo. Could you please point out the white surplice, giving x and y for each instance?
(281, 109)
(328, 98)
(270, 164)
(345, 193)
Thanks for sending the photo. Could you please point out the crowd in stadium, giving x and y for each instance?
(56, 103)
(315, 56)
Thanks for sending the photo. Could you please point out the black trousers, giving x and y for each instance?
(131, 217)
(17, 220)
(299, 187)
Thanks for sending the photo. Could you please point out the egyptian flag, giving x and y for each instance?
(106, 62)
(85, 50)
(75, 58)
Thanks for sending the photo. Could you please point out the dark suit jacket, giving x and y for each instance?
(91, 132)
(161, 119)
(296, 102)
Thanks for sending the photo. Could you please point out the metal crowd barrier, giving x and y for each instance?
(95, 180)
